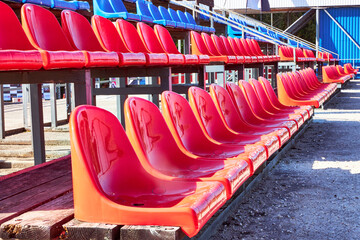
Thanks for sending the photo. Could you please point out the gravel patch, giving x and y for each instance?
(313, 192)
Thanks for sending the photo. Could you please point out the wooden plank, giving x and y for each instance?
(151, 233)
(79, 230)
(34, 197)
(34, 176)
(42, 223)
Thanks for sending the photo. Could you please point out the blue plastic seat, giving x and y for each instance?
(62, 4)
(143, 10)
(113, 9)
(183, 19)
(176, 18)
(158, 19)
(166, 16)
(191, 20)
(83, 5)
(46, 3)
(204, 17)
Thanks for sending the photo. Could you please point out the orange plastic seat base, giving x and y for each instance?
(20, 60)
(63, 59)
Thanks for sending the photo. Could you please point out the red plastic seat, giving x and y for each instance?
(342, 72)
(300, 57)
(161, 155)
(133, 42)
(110, 184)
(153, 44)
(310, 55)
(261, 112)
(248, 115)
(286, 54)
(349, 69)
(210, 44)
(170, 47)
(269, 107)
(188, 133)
(81, 36)
(16, 51)
(220, 46)
(288, 96)
(110, 40)
(275, 101)
(199, 48)
(45, 33)
(251, 51)
(242, 48)
(257, 49)
(210, 120)
(331, 75)
(300, 84)
(230, 50)
(313, 83)
(234, 120)
(236, 49)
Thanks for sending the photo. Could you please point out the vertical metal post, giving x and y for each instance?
(120, 100)
(317, 31)
(2, 113)
(271, 19)
(53, 105)
(37, 124)
(25, 96)
(68, 99)
(187, 51)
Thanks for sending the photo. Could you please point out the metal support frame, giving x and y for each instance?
(317, 31)
(37, 124)
(53, 105)
(2, 113)
(25, 96)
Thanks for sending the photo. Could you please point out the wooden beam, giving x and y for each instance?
(77, 230)
(42, 223)
(151, 233)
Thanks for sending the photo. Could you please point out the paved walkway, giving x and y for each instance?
(314, 192)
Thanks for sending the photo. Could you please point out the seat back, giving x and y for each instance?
(174, 15)
(150, 135)
(210, 44)
(43, 29)
(142, 8)
(154, 11)
(182, 121)
(149, 38)
(103, 6)
(242, 47)
(269, 91)
(118, 5)
(165, 13)
(227, 46)
(198, 45)
(102, 155)
(190, 18)
(261, 94)
(13, 35)
(227, 108)
(182, 16)
(255, 45)
(130, 36)
(79, 32)
(249, 47)
(107, 34)
(252, 98)
(239, 99)
(165, 39)
(235, 47)
(220, 45)
(206, 112)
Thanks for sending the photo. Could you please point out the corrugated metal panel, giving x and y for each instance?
(334, 39)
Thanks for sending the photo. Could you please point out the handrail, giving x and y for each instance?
(245, 29)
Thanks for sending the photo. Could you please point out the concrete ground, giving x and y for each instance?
(314, 191)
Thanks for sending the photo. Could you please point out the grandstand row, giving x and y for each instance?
(228, 94)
